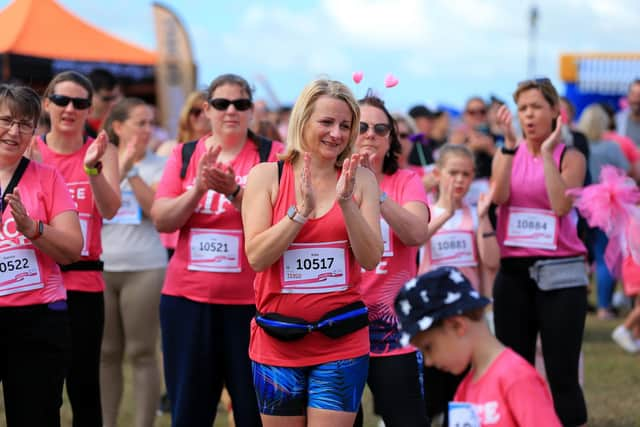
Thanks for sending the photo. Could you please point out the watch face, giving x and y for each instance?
(291, 212)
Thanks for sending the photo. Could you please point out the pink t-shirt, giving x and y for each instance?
(454, 244)
(209, 264)
(28, 276)
(379, 287)
(510, 394)
(296, 286)
(71, 166)
(527, 227)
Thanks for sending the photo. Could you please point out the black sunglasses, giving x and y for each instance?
(380, 129)
(403, 135)
(221, 104)
(109, 98)
(63, 101)
(195, 111)
(539, 81)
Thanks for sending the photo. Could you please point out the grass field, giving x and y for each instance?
(612, 385)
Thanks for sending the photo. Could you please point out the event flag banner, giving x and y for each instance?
(175, 69)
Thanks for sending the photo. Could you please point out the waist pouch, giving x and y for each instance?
(560, 273)
(334, 324)
(83, 266)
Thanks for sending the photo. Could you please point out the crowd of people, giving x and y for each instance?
(291, 257)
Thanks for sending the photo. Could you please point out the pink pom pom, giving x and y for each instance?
(390, 81)
(612, 206)
(357, 76)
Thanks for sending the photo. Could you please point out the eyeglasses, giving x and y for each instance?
(477, 112)
(380, 129)
(221, 104)
(63, 101)
(195, 111)
(24, 128)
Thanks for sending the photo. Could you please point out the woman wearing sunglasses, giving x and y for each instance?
(309, 229)
(395, 371)
(541, 284)
(90, 168)
(207, 300)
(134, 264)
(40, 228)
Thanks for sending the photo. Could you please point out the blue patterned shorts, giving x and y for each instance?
(336, 386)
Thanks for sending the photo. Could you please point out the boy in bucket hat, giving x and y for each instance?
(442, 315)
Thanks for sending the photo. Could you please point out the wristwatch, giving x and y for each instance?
(39, 230)
(383, 197)
(509, 151)
(296, 216)
(95, 170)
(134, 171)
(231, 197)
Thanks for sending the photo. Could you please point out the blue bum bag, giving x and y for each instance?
(334, 324)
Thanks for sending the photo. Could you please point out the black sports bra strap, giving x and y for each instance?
(15, 179)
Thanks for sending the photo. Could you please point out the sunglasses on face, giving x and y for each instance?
(63, 101)
(221, 104)
(195, 111)
(380, 129)
(109, 98)
(403, 135)
(477, 112)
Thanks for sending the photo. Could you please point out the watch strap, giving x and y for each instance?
(231, 197)
(95, 170)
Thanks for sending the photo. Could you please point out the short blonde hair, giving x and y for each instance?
(303, 109)
(594, 121)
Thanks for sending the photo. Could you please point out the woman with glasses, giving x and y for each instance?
(310, 223)
(541, 284)
(40, 229)
(395, 369)
(134, 266)
(207, 300)
(90, 168)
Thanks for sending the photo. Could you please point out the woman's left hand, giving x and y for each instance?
(552, 141)
(24, 223)
(221, 178)
(347, 181)
(96, 150)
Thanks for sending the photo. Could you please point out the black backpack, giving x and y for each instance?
(264, 148)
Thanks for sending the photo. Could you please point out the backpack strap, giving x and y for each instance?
(15, 179)
(187, 151)
(264, 148)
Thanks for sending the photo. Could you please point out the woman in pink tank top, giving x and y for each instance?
(39, 228)
(541, 284)
(307, 234)
(395, 370)
(90, 168)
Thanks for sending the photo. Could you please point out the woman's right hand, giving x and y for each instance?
(203, 181)
(505, 124)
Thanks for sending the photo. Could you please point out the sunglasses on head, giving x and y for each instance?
(63, 101)
(195, 111)
(221, 104)
(539, 81)
(380, 129)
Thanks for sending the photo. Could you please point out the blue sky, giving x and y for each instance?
(442, 51)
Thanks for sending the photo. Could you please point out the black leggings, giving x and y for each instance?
(396, 385)
(521, 311)
(86, 315)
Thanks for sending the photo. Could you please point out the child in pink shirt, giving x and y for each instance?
(442, 315)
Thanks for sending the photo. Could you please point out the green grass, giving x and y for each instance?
(612, 385)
